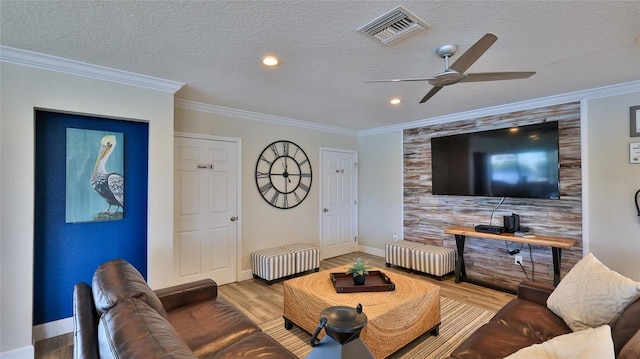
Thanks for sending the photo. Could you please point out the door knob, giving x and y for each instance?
(234, 218)
(325, 210)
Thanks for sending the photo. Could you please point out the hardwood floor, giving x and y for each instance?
(262, 302)
(60, 347)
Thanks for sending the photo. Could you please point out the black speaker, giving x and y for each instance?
(508, 224)
(511, 224)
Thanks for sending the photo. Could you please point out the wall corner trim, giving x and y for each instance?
(58, 64)
(27, 352)
(52, 329)
(371, 250)
(605, 91)
(255, 116)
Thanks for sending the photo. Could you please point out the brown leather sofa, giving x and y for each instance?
(121, 317)
(525, 321)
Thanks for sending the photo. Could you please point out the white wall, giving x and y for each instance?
(264, 226)
(380, 190)
(612, 226)
(22, 90)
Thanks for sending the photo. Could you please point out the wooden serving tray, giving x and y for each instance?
(376, 281)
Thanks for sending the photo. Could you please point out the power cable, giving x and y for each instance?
(494, 211)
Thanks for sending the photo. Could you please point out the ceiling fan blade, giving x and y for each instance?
(496, 76)
(430, 94)
(470, 56)
(401, 80)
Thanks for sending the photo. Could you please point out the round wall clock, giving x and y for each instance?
(283, 174)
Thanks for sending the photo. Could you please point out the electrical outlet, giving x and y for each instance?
(518, 259)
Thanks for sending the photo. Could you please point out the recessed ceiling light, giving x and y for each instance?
(270, 60)
(395, 101)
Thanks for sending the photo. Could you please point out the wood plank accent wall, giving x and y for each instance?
(426, 216)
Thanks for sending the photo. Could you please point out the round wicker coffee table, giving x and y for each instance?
(395, 317)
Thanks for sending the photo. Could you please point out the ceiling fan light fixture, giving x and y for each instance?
(270, 61)
(395, 101)
(448, 77)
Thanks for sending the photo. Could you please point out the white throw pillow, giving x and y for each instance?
(591, 295)
(585, 344)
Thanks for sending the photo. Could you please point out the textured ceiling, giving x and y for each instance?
(215, 48)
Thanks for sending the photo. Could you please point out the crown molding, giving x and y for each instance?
(254, 116)
(58, 64)
(606, 91)
(77, 68)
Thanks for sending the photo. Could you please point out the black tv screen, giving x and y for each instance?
(519, 162)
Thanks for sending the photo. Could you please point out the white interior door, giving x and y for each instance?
(339, 202)
(206, 219)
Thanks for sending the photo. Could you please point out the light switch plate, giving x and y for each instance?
(634, 152)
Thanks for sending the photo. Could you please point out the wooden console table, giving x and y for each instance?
(462, 232)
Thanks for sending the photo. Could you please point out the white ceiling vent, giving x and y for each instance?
(393, 26)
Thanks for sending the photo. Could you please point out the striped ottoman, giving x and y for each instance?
(274, 263)
(434, 260)
(399, 253)
(307, 257)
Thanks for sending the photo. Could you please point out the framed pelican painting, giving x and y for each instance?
(94, 175)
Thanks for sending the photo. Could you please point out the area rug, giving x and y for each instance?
(458, 322)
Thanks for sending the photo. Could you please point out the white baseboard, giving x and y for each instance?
(20, 353)
(52, 329)
(373, 251)
(245, 274)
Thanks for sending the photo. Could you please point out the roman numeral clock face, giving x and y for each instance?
(283, 174)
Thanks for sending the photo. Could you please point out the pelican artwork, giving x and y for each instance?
(109, 185)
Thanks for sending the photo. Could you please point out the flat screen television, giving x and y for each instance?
(520, 162)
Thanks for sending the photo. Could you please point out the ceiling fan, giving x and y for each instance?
(456, 72)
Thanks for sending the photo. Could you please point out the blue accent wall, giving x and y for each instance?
(67, 253)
